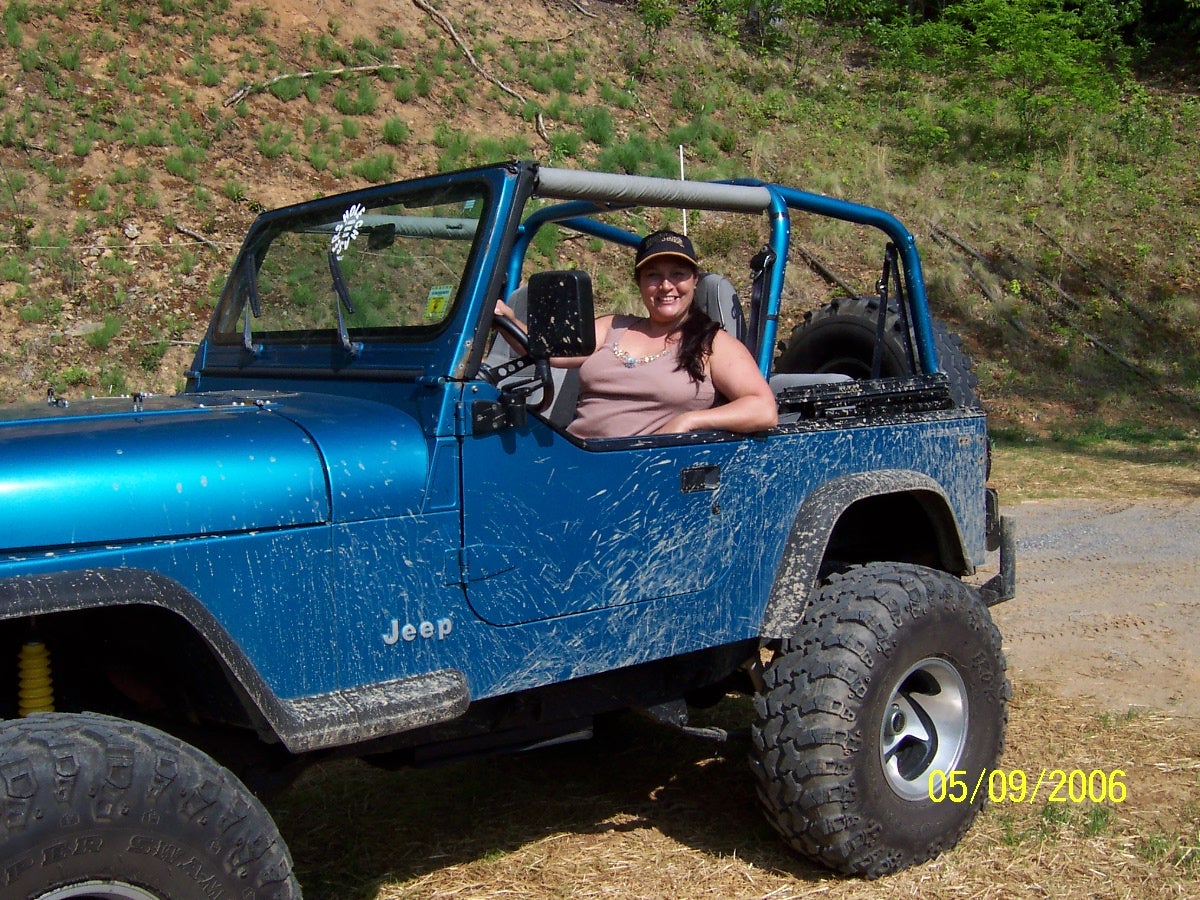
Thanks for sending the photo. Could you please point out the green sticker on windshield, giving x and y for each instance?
(439, 299)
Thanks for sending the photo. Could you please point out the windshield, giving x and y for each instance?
(355, 272)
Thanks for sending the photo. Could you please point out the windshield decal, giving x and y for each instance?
(347, 230)
(439, 301)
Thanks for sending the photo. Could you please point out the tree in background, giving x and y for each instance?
(1014, 66)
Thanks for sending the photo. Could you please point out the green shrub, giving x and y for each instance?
(72, 376)
(112, 380)
(319, 156)
(405, 90)
(454, 144)
(375, 168)
(639, 155)
(288, 88)
(1025, 60)
(13, 269)
(657, 14)
(564, 144)
(40, 311)
(152, 354)
(102, 337)
(395, 131)
(361, 102)
(274, 140)
(614, 96)
(597, 125)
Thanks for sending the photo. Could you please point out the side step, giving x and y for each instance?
(674, 713)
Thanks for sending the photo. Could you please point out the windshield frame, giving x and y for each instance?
(241, 307)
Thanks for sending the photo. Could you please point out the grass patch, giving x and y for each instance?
(396, 131)
(103, 336)
(377, 168)
(1151, 463)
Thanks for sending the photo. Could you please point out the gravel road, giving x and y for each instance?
(1108, 600)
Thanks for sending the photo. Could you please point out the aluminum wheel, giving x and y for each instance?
(99, 890)
(924, 727)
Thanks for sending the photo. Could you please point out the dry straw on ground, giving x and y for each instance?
(641, 812)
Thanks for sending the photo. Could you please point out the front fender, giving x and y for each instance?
(799, 569)
(310, 722)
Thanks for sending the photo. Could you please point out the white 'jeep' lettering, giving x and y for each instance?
(427, 630)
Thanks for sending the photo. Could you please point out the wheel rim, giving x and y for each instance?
(99, 890)
(924, 727)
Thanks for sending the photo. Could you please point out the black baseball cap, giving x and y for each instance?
(665, 243)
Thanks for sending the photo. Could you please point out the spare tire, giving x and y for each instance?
(840, 338)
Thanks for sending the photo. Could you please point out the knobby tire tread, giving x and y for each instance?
(809, 733)
(89, 796)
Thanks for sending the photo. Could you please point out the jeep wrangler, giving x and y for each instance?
(361, 529)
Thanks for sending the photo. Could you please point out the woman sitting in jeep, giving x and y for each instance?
(671, 371)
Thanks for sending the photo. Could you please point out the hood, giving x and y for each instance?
(124, 470)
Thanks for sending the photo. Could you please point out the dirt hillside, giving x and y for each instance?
(131, 165)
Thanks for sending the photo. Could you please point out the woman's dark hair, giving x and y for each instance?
(696, 337)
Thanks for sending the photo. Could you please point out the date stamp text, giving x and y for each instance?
(1018, 786)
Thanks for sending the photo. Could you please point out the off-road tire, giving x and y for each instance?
(98, 807)
(840, 338)
(884, 646)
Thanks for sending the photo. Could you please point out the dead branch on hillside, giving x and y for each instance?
(818, 265)
(581, 10)
(939, 232)
(1015, 269)
(445, 25)
(1021, 268)
(195, 235)
(543, 39)
(941, 237)
(1112, 289)
(988, 291)
(646, 110)
(247, 89)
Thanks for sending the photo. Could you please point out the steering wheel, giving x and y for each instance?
(526, 387)
(496, 374)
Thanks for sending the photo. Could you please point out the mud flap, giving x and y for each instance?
(1003, 586)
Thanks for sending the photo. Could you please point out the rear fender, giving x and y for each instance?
(808, 541)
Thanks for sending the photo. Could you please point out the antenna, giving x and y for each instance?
(681, 178)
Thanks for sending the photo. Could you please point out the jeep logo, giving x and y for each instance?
(426, 630)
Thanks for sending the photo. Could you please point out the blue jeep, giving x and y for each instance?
(361, 529)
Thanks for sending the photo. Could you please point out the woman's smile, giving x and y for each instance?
(667, 289)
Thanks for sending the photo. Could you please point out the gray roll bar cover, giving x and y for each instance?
(634, 190)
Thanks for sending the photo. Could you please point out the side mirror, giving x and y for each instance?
(561, 314)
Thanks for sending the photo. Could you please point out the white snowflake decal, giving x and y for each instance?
(347, 229)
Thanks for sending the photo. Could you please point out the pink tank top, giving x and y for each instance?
(621, 400)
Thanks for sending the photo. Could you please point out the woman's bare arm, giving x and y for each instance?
(751, 403)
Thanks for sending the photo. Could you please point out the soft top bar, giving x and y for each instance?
(636, 190)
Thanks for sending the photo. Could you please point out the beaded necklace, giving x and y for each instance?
(631, 361)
